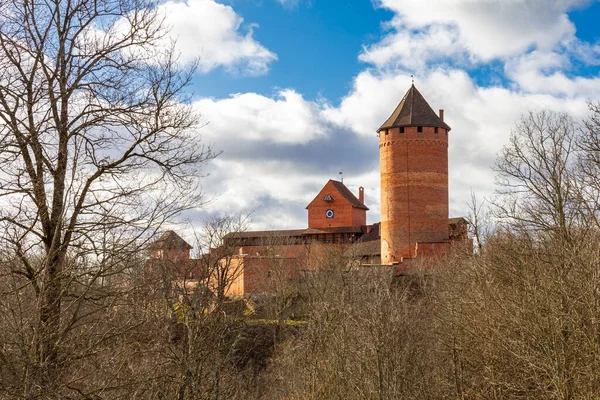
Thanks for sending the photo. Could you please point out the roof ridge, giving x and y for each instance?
(347, 193)
(412, 101)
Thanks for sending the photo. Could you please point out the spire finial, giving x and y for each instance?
(412, 77)
(342, 176)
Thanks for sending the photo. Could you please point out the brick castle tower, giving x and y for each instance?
(413, 153)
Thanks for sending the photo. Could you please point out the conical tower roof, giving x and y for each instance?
(413, 110)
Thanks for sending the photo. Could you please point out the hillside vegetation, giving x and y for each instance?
(517, 319)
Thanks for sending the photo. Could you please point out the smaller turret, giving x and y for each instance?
(170, 246)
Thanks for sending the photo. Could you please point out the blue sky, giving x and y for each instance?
(316, 43)
(293, 91)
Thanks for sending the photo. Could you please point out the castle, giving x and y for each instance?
(413, 149)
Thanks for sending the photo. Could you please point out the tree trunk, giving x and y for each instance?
(49, 327)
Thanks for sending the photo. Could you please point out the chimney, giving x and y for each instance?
(442, 115)
(361, 194)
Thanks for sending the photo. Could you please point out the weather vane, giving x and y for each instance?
(342, 176)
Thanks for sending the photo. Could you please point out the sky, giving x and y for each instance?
(293, 91)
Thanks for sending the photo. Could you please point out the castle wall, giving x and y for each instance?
(268, 274)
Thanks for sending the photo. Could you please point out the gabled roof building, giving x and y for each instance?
(336, 206)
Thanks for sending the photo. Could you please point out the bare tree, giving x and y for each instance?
(521, 320)
(197, 358)
(589, 163)
(536, 175)
(479, 220)
(220, 260)
(97, 143)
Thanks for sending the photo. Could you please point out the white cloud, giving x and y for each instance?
(410, 49)
(277, 191)
(282, 180)
(543, 72)
(585, 52)
(214, 33)
(423, 31)
(287, 118)
(278, 153)
(369, 103)
(533, 39)
(260, 168)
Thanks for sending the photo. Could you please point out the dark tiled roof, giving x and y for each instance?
(293, 232)
(333, 229)
(368, 245)
(170, 240)
(413, 110)
(348, 195)
(372, 235)
(262, 234)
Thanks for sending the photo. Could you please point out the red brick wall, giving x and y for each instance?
(173, 269)
(171, 254)
(266, 268)
(343, 214)
(267, 274)
(359, 217)
(433, 249)
(414, 189)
